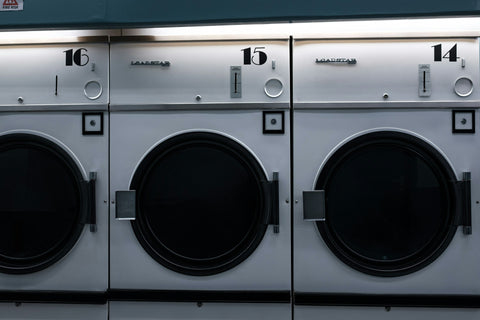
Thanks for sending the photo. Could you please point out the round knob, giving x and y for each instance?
(20, 100)
(93, 90)
(463, 87)
(385, 95)
(273, 88)
(198, 97)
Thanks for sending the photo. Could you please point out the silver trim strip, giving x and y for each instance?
(192, 38)
(426, 36)
(62, 107)
(55, 41)
(385, 105)
(199, 106)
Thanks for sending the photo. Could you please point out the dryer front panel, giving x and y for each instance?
(203, 186)
(381, 313)
(377, 72)
(54, 203)
(390, 193)
(38, 311)
(66, 75)
(199, 311)
(198, 73)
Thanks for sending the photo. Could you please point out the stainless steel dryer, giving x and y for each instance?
(125, 310)
(386, 174)
(35, 311)
(200, 172)
(54, 168)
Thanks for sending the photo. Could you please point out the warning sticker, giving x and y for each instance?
(11, 5)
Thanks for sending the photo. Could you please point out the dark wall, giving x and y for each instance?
(107, 13)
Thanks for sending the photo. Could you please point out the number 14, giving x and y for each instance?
(451, 54)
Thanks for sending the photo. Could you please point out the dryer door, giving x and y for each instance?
(203, 203)
(391, 203)
(43, 203)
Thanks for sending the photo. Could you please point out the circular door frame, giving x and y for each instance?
(66, 157)
(246, 155)
(354, 260)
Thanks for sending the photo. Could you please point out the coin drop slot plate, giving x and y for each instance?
(235, 82)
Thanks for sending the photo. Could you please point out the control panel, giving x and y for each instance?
(165, 73)
(66, 74)
(410, 70)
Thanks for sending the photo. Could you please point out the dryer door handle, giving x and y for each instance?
(314, 205)
(125, 208)
(464, 207)
(271, 195)
(90, 209)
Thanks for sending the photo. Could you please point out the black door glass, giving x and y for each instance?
(40, 203)
(200, 203)
(390, 203)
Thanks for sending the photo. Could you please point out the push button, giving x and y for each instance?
(273, 122)
(463, 121)
(92, 123)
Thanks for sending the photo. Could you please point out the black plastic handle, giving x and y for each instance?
(275, 210)
(467, 200)
(272, 196)
(92, 210)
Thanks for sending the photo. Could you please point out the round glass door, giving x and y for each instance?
(201, 203)
(390, 203)
(40, 203)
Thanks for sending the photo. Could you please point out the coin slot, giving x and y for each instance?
(424, 82)
(235, 82)
(424, 87)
